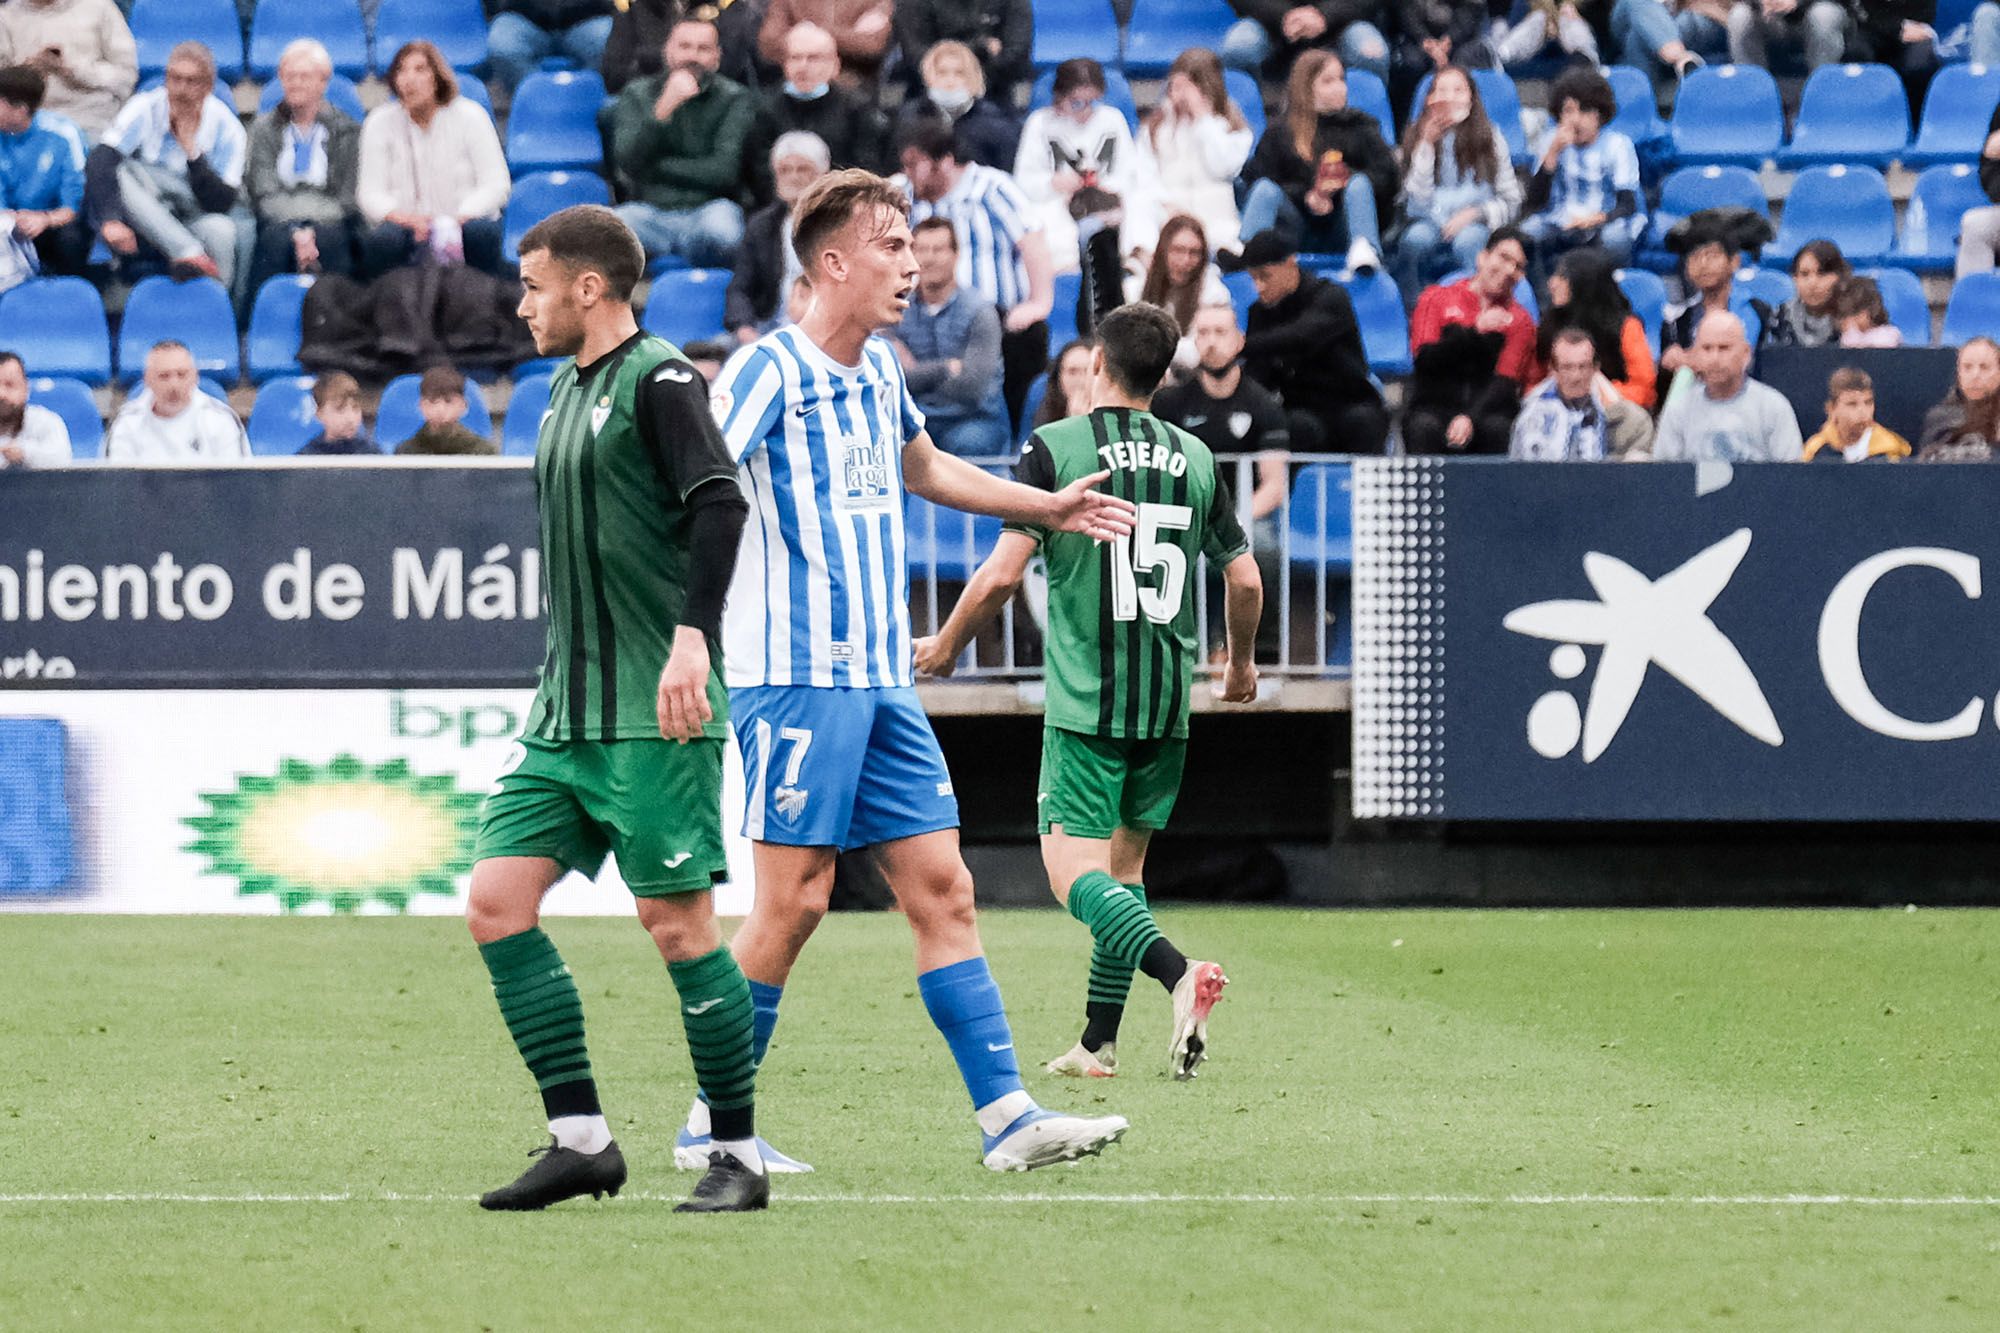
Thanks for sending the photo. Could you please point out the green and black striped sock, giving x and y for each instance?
(715, 1008)
(538, 998)
(1122, 924)
(1110, 986)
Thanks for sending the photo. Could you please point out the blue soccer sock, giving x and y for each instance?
(964, 1002)
(763, 1017)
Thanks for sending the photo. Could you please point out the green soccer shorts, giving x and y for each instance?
(656, 803)
(1094, 785)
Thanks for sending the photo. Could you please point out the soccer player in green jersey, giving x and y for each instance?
(622, 751)
(1121, 653)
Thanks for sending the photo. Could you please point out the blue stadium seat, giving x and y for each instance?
(457, 26)
(1503, 107)
(1365, 92)
(1249, 98)
(1648, 296)
(340, 92)
(1322, 516)
(553, 123)
(1162, 29)
(58, 326)
(472, 88)
(213, 388)
(945, 540)
(282, 417)
(1850, 113)
(1728, 114)
(1066, 29)
(160, 25)
(1957, 109)
(1062, 313)
(1242, 295)
(38, 838)
(686, 305)
(1691, 189)
(1772, 286)
(72, 401)
(1117, 92)
(196, 312)
(1974, 309)
(545, 192)
(1031, 403)
(1909, 310)
(1849, 206)
(541, 365)
(274, 326)
(337, 24)
(1638, 117)
(1524, 291)
(397, 417)
(1929, 238)
(1385, 333)
(523, 426)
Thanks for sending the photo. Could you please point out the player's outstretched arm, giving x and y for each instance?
(1078, 507)
(1242, 606)
(992, 585)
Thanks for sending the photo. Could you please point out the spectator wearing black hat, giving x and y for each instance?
(1304, 344)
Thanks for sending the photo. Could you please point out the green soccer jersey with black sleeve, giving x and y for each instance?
(1121, 635)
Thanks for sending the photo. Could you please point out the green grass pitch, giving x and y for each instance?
(1638, 1120)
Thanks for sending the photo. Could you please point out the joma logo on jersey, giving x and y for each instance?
(864, 479)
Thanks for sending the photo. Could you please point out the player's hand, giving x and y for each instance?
(683, 702)
(931, 659)
(1081, 507)
(1239, 683)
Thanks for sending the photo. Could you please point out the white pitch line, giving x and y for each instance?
(1348, 1200)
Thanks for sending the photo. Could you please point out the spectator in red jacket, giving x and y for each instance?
(1472, 347)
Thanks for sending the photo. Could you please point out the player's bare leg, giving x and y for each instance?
(933, 887)
(539, 1001)
(1081, 875)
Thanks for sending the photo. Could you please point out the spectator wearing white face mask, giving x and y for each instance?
(954, 93)
(811, 100)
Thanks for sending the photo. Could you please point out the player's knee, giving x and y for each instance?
(491, 918)
(943, 901)
(680, 938)
(805, 903)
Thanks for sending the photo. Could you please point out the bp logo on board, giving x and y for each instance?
(344, 834)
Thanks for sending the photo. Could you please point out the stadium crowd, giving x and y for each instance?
(1485, 279)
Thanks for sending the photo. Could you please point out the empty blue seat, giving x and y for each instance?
(472, 88)
(1242, 295)
(335, 24)
(945, 542)
(72, 401)
(1973, 311)
(1249, 98)
(1849, 206)
(1850, 113)
(1929, 239)
(1503, 106)
(275, 326)
(553, 123)
(1066, 29)
(397, 416)
(1648, 297)
(1117, 93)
(541, 365)
(458, 27)
(58, 327)
(1385, 333)
(1321, 516)
(196, 312)
(1638, 117)
(545, 192)
(160, 25)
(1728, 113)
(340, 92)
(523, 426)
(282, 417)
(1366, 92)
(1162, 29)
(1957, 109)
(686, 305)
(1772, 286)
(1903, 295)
(1062, 313)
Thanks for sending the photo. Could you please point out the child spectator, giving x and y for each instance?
(337, 407)
(441, 399)
(1851, 434)
(1585, 190)
(1807, 320)
(1864, 320)
(1711, 245)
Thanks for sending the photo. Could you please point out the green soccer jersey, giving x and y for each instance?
(1121, 640)
(624, 442)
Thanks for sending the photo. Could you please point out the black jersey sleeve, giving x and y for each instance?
(679, 430)
(1037, 468)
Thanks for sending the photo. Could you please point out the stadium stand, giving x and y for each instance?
(1638, 117)
(686, 304)
(1066, 29)
(397, 416)
(1322, 516)
(72, 401)
(337, 24)
(1385, 333)
(552, 125)
(525, 406)
(1852, 114)
(947, 541)
(1903, 294)
(196, 312)
(282, 417)
(60, 329)
(160, 25)
(1243, 90)
(1062, 314)
(1928, 239)
(1972, 312)
(274, 327)
(1648, 295)
(1367, 93)
(1161, 29)
(1728, 114)
(1957, 109)
(1848, 205)
(458, 27)
(1772, 286)
(537, 195)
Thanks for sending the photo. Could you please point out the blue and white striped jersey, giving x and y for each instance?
(143, 130)
(821, 593)
(991, 215)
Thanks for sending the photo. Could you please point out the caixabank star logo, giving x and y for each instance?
(344, 835)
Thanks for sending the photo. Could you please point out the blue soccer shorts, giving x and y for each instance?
(839, 768)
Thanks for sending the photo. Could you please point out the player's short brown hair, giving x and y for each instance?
(591, 237)
(1848, 379)
(336, 388)
(440, 382)
(1139, 341)
(833, 201)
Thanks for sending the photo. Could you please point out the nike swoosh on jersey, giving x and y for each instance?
(699, 1009)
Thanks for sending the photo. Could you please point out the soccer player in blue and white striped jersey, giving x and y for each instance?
(838, 754)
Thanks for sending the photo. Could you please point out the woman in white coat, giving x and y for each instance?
(1078, 143)
(1191, 151)
(433, 175)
